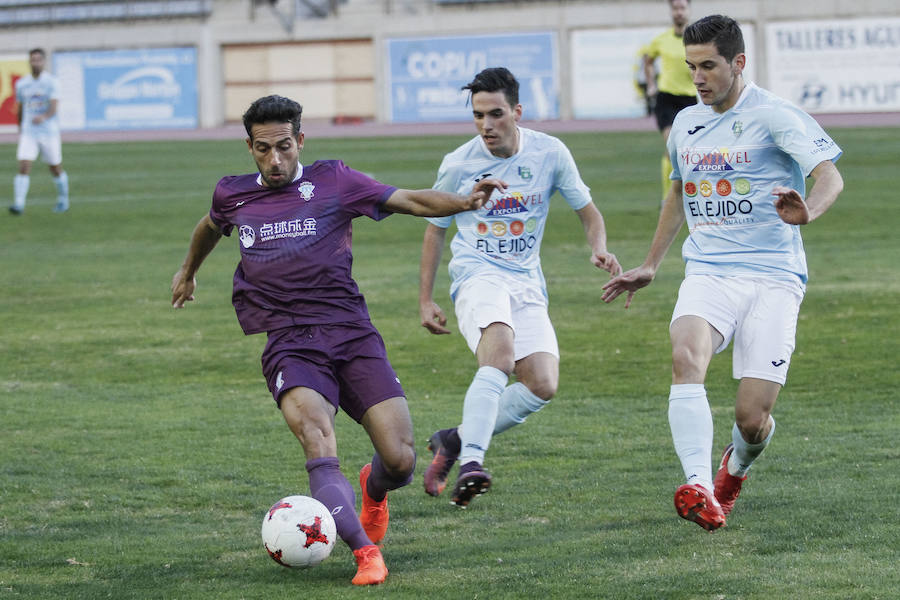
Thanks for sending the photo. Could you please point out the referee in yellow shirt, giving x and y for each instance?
(673, 88)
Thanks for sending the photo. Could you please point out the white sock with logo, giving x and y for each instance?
(744, 454)
(480, 413)
(20, 190)
(690, 420)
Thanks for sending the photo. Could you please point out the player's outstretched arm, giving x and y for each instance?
(628, 282)
(204, 238)
(435, 203)
(595, 233)
(795, 211)
(431, 315)
(670, 221)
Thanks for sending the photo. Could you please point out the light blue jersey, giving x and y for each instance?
(728, 165)
(34, 95)
(505, 234)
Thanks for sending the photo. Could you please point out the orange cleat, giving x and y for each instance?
(373, 516)
(696, 503)
(727, 486)
(371, 569)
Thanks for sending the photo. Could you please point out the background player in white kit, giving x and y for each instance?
(37, 96)
(745, 264)
(498, 289)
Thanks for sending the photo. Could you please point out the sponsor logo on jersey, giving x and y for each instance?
(723, 187)
(696, 129)
(822, 145)
(482, 228)
(742, 186)
(714, 162)
(276, 231)
(517, 228)
(690, 189)
(510, 204)
(498, 228)
(778, 363)
(531, 225)
(706, 189)
(306, 190)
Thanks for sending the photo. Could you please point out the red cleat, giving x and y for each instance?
(373, 516)
(728, 487)
(696, 503)
(371, 569)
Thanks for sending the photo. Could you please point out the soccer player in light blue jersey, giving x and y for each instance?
(498, 289)
(740, 162)
(37, 96)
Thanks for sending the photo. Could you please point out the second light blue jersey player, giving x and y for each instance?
(498, 290)
(728, 164)
(506, 233)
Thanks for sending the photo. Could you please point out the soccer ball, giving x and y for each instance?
(298, 531)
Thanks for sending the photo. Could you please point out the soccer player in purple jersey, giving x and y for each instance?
(294, 283)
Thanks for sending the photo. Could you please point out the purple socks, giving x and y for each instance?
(381, 481)
(329, 486)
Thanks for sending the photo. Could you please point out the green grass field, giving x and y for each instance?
(139, 447)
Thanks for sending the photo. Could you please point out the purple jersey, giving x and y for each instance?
(296, 258)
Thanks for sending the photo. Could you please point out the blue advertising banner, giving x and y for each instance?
(154, 88)
(425, 74)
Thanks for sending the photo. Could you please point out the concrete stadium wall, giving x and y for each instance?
(245, 48)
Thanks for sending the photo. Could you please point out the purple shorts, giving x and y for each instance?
(345, 362)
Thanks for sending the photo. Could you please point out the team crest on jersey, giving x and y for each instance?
(737, 128)
(525, 173)
(510, 204)
(247, 236)
(306, 190)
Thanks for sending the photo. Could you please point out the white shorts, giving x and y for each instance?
(483, 300)
(760, 313)
(48, 147)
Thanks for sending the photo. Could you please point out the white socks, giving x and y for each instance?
(20, 190)
(480, 413)
(516, 403)
(21, 183)
(744, 454)
(690, 420)
(62, 191)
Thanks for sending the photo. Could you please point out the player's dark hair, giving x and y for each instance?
(276, 109)
(496, 79)
(720, 30)
(37, 51)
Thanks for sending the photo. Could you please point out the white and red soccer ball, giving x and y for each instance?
(298, 531)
